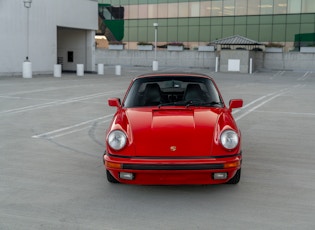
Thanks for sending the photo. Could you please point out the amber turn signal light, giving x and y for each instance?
(113, 165)
(232, 164)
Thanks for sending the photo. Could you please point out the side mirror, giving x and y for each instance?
(115, 102)
(235, 103)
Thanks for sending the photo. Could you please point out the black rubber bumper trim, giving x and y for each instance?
(172, 166)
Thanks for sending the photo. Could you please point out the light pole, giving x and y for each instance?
(27, 65)
(155, 62)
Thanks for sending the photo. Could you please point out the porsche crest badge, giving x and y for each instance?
(173, 148)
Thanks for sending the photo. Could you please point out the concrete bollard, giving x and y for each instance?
(100, 69)
(155, 66)
(57, 70)
(118, 69)
(80, 69)
(27, 69)
(216, 64)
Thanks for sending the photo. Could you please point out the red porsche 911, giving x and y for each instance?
(173, 128)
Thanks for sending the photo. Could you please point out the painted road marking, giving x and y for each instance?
(71, 129)
(264, 99)
(305, 76)
(56, 103)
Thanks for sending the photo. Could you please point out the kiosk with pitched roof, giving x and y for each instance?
(237, 53)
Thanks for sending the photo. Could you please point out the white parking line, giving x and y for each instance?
(39, 90)
(266, 98)
(55, 103)
(279, 73)
(70, 129)
(305, 76)
(288, 113)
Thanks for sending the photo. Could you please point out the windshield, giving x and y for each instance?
(172, 90)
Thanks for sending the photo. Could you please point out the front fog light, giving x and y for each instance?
(219, 176)
(126, 175)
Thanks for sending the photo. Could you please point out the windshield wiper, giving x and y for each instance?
(192, 103)
(172, 103)
(202, 103)
(166, 104)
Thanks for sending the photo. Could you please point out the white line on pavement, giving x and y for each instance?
(288, 113)
(268, 97)
(73, 128)
(305, 76)
(55, 103)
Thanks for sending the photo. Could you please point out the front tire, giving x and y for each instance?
(236, 178)
(110, 178)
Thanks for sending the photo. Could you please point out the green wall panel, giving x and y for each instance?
(132, 34)
(253, 20)
(227, 31)
(307, 18)
(162, 22)
(240, 30)
(265, 32)
(193, 21)
(162, 34)
(264, 28)
(216, 32)
(183, 21)
(193, 34)
(182, 34)
(291, 31)
(279, 19)
(295, 18)
(228, 20)
(142, 34)
(266, 19)
(253, 32)
(172, 33)
(172, 22)
(241, 20)
(278, 33)
(143, 23)
(307, 28)
(216, 21)
(204, 21)
(204, 34)
(132, 23)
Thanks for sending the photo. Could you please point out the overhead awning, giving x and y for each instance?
(237, 41)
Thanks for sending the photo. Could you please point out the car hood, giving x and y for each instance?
(173, 132)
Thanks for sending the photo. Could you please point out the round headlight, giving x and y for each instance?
(229, 139)
(117, 139)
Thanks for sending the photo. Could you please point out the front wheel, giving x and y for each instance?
(110, 178)
(236, 178)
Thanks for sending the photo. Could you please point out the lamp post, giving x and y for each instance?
(27, 65)
(155, 62)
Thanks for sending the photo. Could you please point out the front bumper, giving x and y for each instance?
(153, 171)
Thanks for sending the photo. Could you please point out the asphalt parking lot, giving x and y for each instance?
(52, 142)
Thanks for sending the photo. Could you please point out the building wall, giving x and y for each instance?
(199, 22)
(194, 59)
(165, 58)
(45, 17)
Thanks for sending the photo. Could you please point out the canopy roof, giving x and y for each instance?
(236, 40)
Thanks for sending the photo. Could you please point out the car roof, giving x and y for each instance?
(174, 74)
